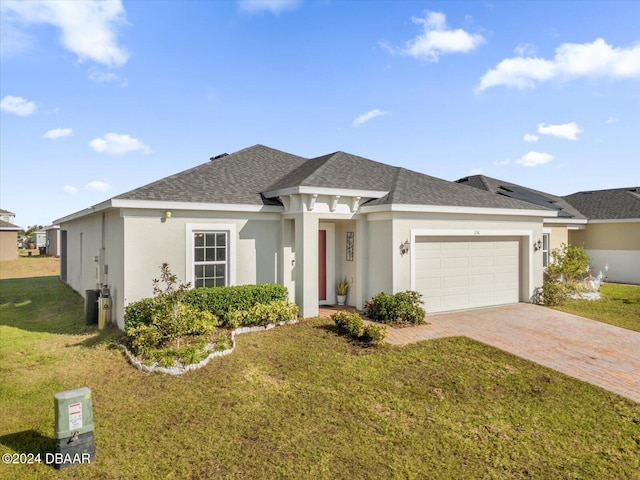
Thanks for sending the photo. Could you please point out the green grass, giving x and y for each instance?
(302, 402)
(619, 305)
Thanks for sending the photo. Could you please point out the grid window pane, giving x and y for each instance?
(210, 259)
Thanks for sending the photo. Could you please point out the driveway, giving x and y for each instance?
(594, 352)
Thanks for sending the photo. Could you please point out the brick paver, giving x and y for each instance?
(598, 353)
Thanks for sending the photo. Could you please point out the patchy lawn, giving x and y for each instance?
(302, 402)
(619, 305)
(25, 267)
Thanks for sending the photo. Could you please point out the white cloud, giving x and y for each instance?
(611, 120)
(97, 186)
(70, 189)
(88, 28)
(501, 163)
(365, 117)
(105, 77)
(116, 143)
(272, 6)
(528, 137)
(525, 50)
(569, 131)
(571, 60)
(437, 39)
(17, 106)
(533, 159)
(58, 133)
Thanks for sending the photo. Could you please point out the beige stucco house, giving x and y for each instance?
(612, 235)
(8, 235)
(262, 215)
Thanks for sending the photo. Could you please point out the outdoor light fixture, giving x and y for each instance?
(537, 245)
(404, 247)
(167, 214)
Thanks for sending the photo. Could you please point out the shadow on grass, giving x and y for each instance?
(29, 441)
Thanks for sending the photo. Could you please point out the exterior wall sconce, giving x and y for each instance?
(537, 245)
(167, 214)
(405, 247)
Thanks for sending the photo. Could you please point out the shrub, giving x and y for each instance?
(263, 314)
(403, 307)
(140, 313)
(551, 294)
(349, 323)
(570, 264)
(374, 334)
(221, 301)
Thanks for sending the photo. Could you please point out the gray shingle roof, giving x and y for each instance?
(8, 226)
(238, 178)
(512, 190)
(617, 203)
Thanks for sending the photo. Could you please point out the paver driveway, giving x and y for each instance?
(595, 352)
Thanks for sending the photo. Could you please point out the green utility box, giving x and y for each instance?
(73, 427)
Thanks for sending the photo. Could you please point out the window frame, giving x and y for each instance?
(546, 255)
(190, 262)
(215, 247)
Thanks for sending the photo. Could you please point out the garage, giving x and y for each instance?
(467, 272)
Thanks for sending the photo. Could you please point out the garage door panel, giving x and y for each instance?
(463, 273)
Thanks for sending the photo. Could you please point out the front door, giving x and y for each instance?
(322, 265)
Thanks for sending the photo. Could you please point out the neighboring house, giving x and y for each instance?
(261, 215)
(556, 228)
(40, 238)
(8, 240)
(612, 235)
(53, 240)
(7, 216)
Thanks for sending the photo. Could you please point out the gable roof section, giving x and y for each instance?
(613, 204)
(518, 192)
(238, 178)
(8, 227)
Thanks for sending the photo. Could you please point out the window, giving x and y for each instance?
(210, 259)
(545, 250)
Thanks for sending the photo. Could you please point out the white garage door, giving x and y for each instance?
(466, 272)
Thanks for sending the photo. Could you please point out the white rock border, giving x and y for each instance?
(179, 368)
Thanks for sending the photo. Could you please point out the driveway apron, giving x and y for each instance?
(595, 352)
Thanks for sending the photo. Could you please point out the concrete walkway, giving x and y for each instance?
(594, 352)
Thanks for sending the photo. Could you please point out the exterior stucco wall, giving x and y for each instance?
(8, 245)
(151, 240)
(557, 236)
(379, 262)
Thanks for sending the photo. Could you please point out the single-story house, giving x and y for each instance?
(53, 240)
(612, 234)
(39, 238)
(8, 240)
(262, 215)
(555, 228)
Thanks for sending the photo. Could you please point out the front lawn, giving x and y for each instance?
(299, 401)
(619, 305)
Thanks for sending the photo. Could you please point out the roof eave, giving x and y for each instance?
(395, 207)
(325, 191)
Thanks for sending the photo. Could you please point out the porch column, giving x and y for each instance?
(306, 270)
(360, 287)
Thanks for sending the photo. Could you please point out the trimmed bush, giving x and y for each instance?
(140, 313)
(221, 301)
(263, 314)
(374, 334)
(401, 308)
(349, 323)
(551, 294)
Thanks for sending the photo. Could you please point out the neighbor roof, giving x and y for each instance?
(617, 203)
(512, 190)
(8, 226)
(2, 210)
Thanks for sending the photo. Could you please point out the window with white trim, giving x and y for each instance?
(210, 259)
(545, 250)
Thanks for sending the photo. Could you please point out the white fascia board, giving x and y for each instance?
(170, 205)
(326, 191)
(573, 221)
(616, 220)
(453, 209)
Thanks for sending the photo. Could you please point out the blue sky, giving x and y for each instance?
(99, 98)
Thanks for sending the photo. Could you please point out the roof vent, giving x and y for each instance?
(218, 156)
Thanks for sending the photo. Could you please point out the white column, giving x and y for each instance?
(306, 270)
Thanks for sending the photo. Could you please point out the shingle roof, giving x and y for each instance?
(512, 190)
(238, 178)
(8, 226)
(243, 177)
(617, 203)
(2, 210)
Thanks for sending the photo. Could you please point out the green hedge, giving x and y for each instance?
(221, 301)
(398, 309)
(262, 314)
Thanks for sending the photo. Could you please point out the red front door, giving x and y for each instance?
(322, 265)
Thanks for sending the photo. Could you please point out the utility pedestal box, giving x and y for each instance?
(73, 427)
(104, 308)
